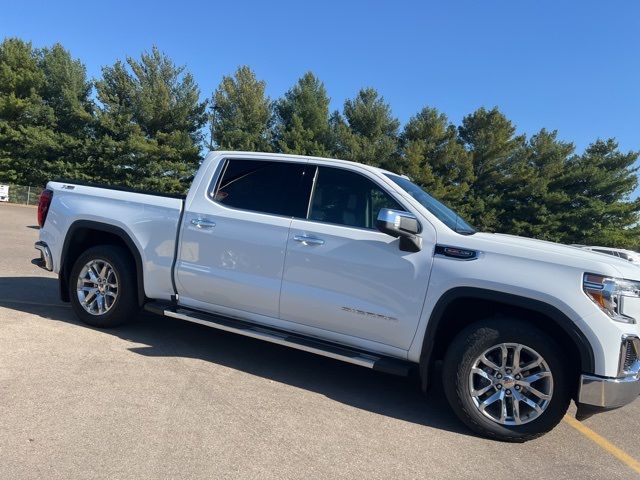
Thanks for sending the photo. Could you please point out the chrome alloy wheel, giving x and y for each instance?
(511, 384)
(97, 287)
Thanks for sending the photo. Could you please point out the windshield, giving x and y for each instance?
(447, 216)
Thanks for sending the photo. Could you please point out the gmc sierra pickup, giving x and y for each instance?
(361, 265)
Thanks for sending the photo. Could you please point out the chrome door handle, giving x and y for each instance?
(200, 223)
(307, 240)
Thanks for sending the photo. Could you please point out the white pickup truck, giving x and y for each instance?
(358, 264)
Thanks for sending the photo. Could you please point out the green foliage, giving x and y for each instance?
(45, 114)
(490, 138)
(303, 119)
(434, 158)
(145, 130)
(370, 133)
(241, 117)
(598, 185)
(149, 124)
(533, 197)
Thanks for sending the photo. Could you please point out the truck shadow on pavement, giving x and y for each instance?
(395, 397)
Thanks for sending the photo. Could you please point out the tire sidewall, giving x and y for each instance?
(125, 302)
(475, 340)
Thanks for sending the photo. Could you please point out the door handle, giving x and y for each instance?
(307, 240)
(201, 223)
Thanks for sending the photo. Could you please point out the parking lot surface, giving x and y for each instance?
(159, 398)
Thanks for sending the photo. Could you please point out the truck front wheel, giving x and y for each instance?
(505, 380)
(102, 286)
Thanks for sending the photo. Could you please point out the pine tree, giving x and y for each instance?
(150, 122)
(434, 158)
(533, 197)
(303, 119)
(45, 113)
(241, 116)
(370, 133)
(490, 138)
(598, 185)
(67, 91)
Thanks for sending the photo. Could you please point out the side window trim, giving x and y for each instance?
(312, 192)
(218, 175)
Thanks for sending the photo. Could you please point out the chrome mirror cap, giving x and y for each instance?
(403, 225)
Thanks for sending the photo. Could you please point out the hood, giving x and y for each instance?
(555, 253)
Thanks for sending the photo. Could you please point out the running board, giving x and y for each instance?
(326, 349)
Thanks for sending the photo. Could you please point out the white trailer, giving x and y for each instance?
(4, 193)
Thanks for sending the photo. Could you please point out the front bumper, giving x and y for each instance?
(608, 393)
(45, 261)
(614, 392)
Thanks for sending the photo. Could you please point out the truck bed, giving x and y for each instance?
(149, 219)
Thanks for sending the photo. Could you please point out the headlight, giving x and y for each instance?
(618, 298)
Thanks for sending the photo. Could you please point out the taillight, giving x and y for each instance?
(43, 206)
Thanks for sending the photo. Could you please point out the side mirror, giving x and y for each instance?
(403, 225)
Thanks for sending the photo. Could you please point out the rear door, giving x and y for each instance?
(234, 236)
(344, 276)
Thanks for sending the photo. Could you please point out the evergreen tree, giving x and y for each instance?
(45, 113)
(532, 195)
(490, 138)
(598, 185)
(149, 124)
(241, 117)
(303, 119)
(433, 157)
(534, 198)
(370, 133)
(67, 92)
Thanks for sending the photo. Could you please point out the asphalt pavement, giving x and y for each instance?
(159, 398)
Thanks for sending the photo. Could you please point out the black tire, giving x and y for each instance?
(475, 340)
(125, 305)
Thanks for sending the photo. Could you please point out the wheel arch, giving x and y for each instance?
(484, 303)
(84, 234)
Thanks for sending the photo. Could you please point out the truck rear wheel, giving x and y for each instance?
(505, 380)
(102, 287)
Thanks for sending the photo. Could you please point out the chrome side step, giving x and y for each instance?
(280, 337)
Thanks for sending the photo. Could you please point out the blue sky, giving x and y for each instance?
(573, 66)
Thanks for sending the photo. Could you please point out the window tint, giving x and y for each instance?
(347, 198)
(263, 186)
(608, 252)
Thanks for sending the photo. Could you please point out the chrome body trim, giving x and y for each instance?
(45, 256)
(634, 368)
(361, 359)
(202, 223)
(613, 392)
(608, 392)
(395, 216)
(308, 240)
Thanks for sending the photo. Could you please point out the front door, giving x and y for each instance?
(342, 275)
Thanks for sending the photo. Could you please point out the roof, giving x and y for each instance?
(287, 156)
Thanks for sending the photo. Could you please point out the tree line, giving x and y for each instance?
(144, 124)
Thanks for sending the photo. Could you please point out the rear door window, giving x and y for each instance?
(271, 187)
